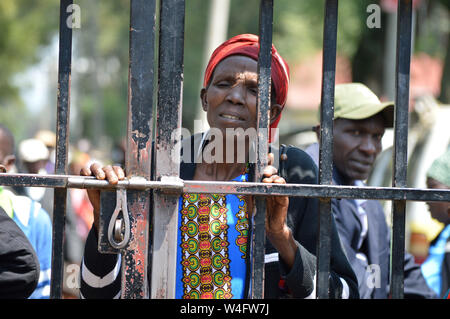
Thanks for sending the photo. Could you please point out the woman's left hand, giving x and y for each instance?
(277, 206)
(277, 230)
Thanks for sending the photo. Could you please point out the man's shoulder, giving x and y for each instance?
(18, 258)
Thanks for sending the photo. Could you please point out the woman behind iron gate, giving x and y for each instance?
(213, 228)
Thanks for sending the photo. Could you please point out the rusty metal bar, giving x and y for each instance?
(62, 139)
(258, 229)
(139, 144)
(259, 189)
(400, 157)
(326, 146)
(165, 206)
(322, 191)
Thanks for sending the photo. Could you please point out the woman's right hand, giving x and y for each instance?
(113, 174)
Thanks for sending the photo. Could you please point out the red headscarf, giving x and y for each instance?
(248, 45)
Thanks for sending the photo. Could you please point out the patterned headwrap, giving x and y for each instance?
(248, 45)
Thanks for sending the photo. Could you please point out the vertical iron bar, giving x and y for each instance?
(62, 138)
(400, 157)
(264, 85)
(165, 212)
(326, 146)
(139, 144)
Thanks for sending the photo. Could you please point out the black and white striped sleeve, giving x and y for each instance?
(100, 273)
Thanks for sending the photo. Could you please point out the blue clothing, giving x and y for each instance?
(36, 224)
(432, 266)
(218, 268)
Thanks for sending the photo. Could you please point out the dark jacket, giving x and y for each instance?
(303, 221)
(377, 249)
(19, 265)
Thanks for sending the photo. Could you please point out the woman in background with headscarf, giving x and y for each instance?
(436, 268)
(212, 257)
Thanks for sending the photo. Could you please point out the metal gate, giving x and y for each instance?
(165, 185)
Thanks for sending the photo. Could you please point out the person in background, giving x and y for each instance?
(436, 268)
(49, 139)
(28, 214)
(359, 123)
(33, 156)
(19, 265)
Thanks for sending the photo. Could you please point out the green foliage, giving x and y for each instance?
(25, 27)
(433, 25)
(298, 25)
(196, 22)
(101, 44)
(101, 84)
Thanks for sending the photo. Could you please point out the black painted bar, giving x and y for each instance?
(165, 206)
(259, 189)
(258, 229)
(400, 156)
(300, 190)
(62, 138)
(139, 141)
(326, 146)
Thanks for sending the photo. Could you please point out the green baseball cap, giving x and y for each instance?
(355, 101)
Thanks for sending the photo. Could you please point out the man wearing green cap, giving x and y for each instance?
(359, 122)
(436, 268)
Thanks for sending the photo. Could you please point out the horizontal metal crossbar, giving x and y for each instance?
(240, 188)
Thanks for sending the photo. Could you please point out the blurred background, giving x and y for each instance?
(98, 110)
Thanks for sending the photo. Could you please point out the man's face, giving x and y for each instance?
(356, 145)
(7, 157)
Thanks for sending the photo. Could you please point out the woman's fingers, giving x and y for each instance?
(276, 200)
(85, 171)
(274, 179)
(113, 174)
(278, 179)
(119, 172)
(97, 171)
(110, 174)
(269, 171)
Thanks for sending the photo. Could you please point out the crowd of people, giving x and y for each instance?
(31, 208)
(360, 236)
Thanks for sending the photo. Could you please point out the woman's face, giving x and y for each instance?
(231, 97)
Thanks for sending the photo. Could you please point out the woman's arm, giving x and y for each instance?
(100, 273)
(302, 220)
